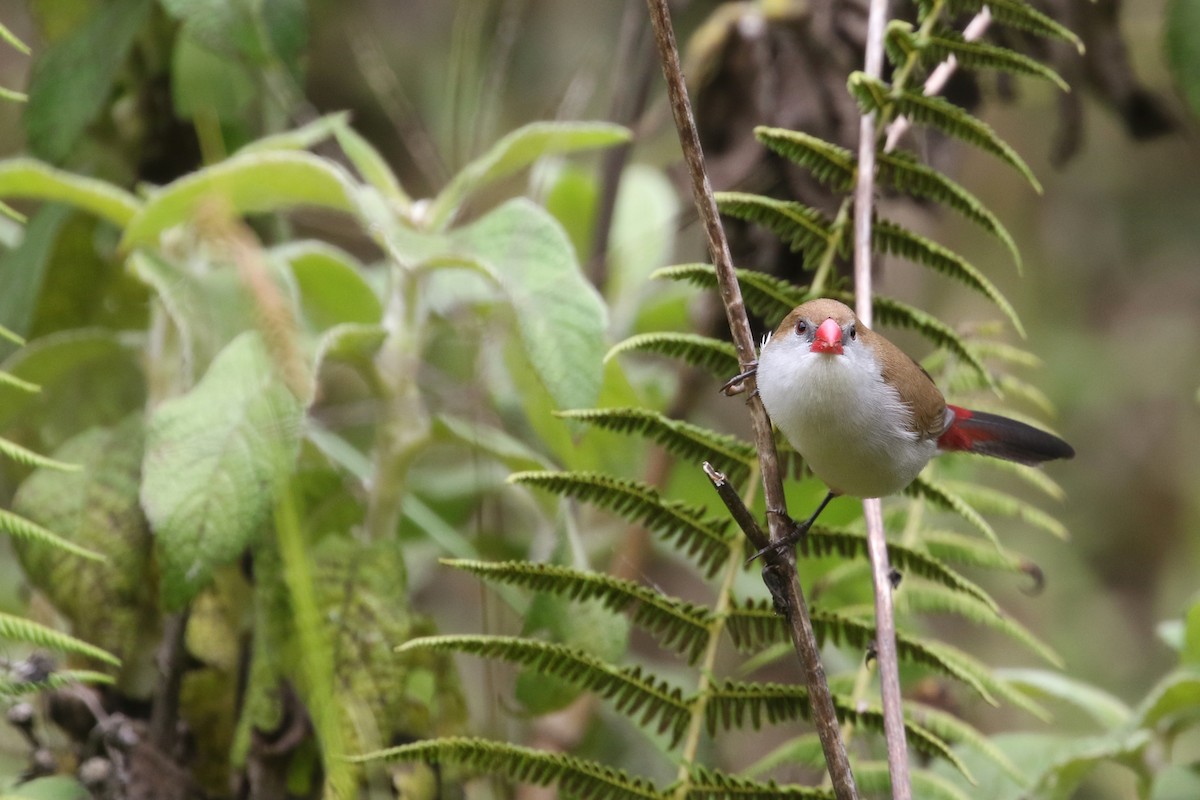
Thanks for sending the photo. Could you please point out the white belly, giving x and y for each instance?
(849, 426)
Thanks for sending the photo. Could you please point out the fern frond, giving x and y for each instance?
(710, 784)
(958, 548)
(904, 173)
(874, 95)
(830, 164)
(943, 43)
(937, 493)
(31, 459)
(733, 704)
(677, 624)
(717, 357)
(874, 780)
(682, 439)
(1032, 475)
(706, 540)
(8, 379)
(754, 624)
(1021, 15)
(984, 674)
(993, 501)
(767, 296)
(19, 629)
(655, 702)
(802, 228)
(923, 597)
(21, 528)
(896, 314)
(57, 680)
(826, 541)
(574, 777)
(888, 237)
(955, 731)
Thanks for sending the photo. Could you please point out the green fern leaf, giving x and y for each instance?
(904, 173)
(21, 528)
(1032, 475)
(955, 731)
(31, 459)
(658, 704)
(706, 540)
(710, 784)
(803, 229)
(830, 164)
(888, 237)
(922, 597)
(1021, 15)
(874, 780)
(958, 548)
(996, 687)
(827, 541)
(934, 492)
(993, 501)
(18, 629)
(8, 379)
(717, 357)
(765, 295)
(874, 95)
(62, 679)
(574, 777)
(734, 704)
(679, 625)
(895, 314)
(943, 44)
(682, 439)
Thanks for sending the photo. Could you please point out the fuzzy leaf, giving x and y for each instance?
(305, 137)
(679, 625)
(715, 356)
(888, 237)
(706, 540)
(874, 95)
(682, 439)
(332, 288)
(213, 457)
(372, 166)
(653, 703)
(516, 151)
(573, 777)
(31, 179)
(249, 183)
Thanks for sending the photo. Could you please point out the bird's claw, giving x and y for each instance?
(737, 384)
(795, 534)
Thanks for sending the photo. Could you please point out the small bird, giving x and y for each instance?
(865, 417)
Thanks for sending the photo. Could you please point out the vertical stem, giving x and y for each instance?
(885, 623)
(823, 712)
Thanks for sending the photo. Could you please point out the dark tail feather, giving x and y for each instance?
(1001, 437)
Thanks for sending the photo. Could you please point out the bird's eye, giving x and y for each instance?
(853, 331)
(801, 327)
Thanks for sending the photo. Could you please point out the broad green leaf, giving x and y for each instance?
(571, 197)
(204, 82)
(560, 316)
(73, 78)
(516, 151)
(1177, 782)
(56, 787)
(249, 183)
(1189, 651)
(1177, 694)
(641, 240)
(109, 602)
(332, 288)
(1108, 711)
(302, 138)
(31, 179)
(213, 457)
(1183, 48)
(371, 165)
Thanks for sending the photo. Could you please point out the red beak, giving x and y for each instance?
(828, 338)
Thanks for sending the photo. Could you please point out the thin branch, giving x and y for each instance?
(885, 622)
(800, 626)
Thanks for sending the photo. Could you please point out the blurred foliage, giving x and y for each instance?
(296, 359)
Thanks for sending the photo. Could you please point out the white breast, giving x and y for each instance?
(850, 427)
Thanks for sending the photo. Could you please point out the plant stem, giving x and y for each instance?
(821, 701)
(885, 622)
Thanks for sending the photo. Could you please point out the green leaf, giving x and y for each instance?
(305, 137)
(1021, 15)
(248, 184)
(32, 179)
(516, 151)
(943, 44)
(24, 268)
(18, 629)
(874, 95)
(207, 83)
(212, 459)
(718, 357)
(56, 787)
(767, 296)
(371, 166)
(1183, 48)
(13, 40)
(1107, 710)
(801, 228)
(832, 165)
(332, 288)
(72, 80)
(560, 316)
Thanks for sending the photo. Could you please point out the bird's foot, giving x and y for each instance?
(796, 531)
(737, 384)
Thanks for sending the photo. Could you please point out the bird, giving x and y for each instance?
(864, 416)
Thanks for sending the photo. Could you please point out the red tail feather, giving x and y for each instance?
(1001, 437)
